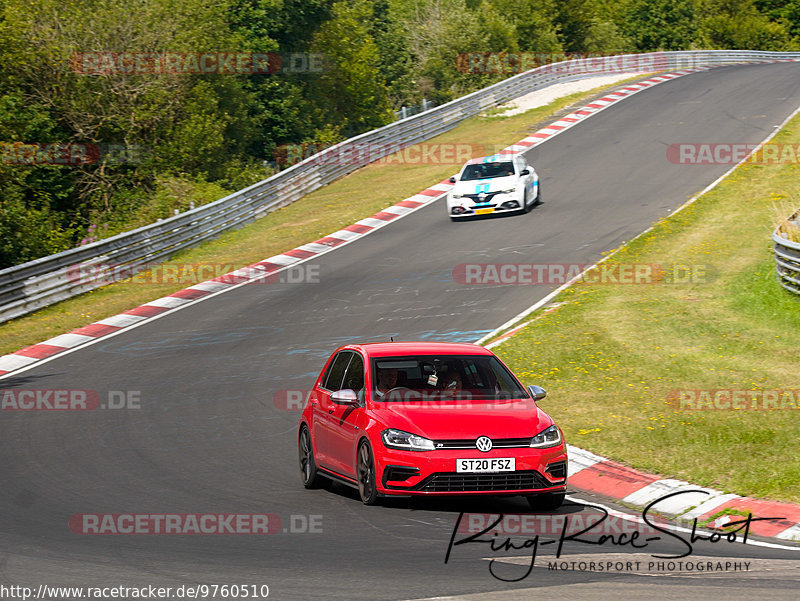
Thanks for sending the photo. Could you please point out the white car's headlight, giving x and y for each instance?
(456, 196)
(509, 191)
(397, 439)
(550, 437)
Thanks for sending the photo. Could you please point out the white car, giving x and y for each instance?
(501, 183)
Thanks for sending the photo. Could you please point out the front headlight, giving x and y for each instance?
(456, 196)
(550, 437)
(509, 191)
(397, 439)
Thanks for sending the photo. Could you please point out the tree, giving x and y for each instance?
(661, 24)
(60, 48)
(350, 90)
(604, 37)
(739, 24)
(394, 56)
(535, 24)
(785, 12)
(62, 71)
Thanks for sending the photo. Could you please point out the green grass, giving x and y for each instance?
(339, 204)
(612, 355)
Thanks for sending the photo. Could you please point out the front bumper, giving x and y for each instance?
(434, 472)
(500, 203)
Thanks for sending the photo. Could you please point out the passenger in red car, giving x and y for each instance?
(452, 382)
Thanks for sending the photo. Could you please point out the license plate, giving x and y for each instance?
(495, 464)
(484, 211)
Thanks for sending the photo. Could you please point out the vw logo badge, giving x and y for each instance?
(484, 443)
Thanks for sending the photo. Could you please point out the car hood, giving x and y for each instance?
(495, 185)
(441, 420)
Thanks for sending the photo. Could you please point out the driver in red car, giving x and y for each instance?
(387, 379)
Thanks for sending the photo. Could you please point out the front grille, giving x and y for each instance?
(474, 197)
(469, 443)
(504, 481)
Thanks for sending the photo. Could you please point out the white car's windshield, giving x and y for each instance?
(443, 377)
(487, 170)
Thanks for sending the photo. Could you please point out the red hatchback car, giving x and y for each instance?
(402, 418)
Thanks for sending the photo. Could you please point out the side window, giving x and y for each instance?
(354, 378)
(502, 382)
(333, 379)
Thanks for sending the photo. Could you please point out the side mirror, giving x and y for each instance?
(537, 392)
(345, 397)
(525, 172)
(452, 180)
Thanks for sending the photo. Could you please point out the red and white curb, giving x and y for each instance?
(590, 109)
(592, 473)
(28, 357)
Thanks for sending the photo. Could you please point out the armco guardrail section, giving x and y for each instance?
(787, 258)
(30, 286)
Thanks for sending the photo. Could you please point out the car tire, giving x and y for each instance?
(547, 501)
(308, 467)
(365, 472)
(525, 206)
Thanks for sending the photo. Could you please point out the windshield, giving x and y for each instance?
(487, 171)
(443, 377)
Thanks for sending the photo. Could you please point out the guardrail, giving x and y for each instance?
(409, 111)
(787, 256)
(30, 286)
